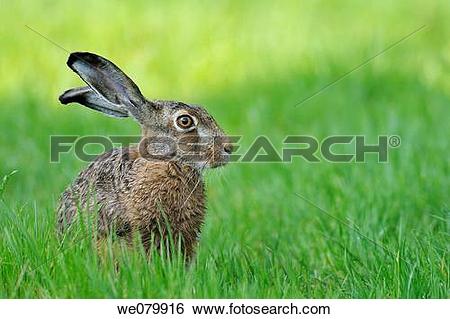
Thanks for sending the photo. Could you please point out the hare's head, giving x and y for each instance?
(171, 130)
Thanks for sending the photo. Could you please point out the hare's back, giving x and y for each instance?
(98, 187)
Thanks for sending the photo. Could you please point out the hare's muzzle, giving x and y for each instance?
(222, 151)
(228, 148)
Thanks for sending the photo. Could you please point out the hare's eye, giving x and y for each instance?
(185, 122)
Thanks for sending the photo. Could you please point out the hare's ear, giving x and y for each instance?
(87, 97)
(110, 83)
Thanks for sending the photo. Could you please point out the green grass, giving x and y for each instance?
(248, 63)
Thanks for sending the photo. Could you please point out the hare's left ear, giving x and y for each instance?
(87, 97)
(116, 92)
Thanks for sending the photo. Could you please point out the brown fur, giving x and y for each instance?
(130, 192)
(138, 195)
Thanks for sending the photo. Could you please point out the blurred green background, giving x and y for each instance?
(248, 63)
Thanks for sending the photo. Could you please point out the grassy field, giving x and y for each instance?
(249, 63)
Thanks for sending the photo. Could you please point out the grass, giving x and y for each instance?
(248, 63)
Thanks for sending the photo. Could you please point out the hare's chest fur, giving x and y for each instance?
(163, 190)
(160, 197)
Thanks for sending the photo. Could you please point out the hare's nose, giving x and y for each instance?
(228, 148)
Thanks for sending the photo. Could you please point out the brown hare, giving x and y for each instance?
(152, 188)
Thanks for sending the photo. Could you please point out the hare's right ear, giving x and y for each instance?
(113, 92)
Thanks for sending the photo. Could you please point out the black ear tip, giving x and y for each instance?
(67, 97)
(63, 98)
(73, 57)
(87, 57)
